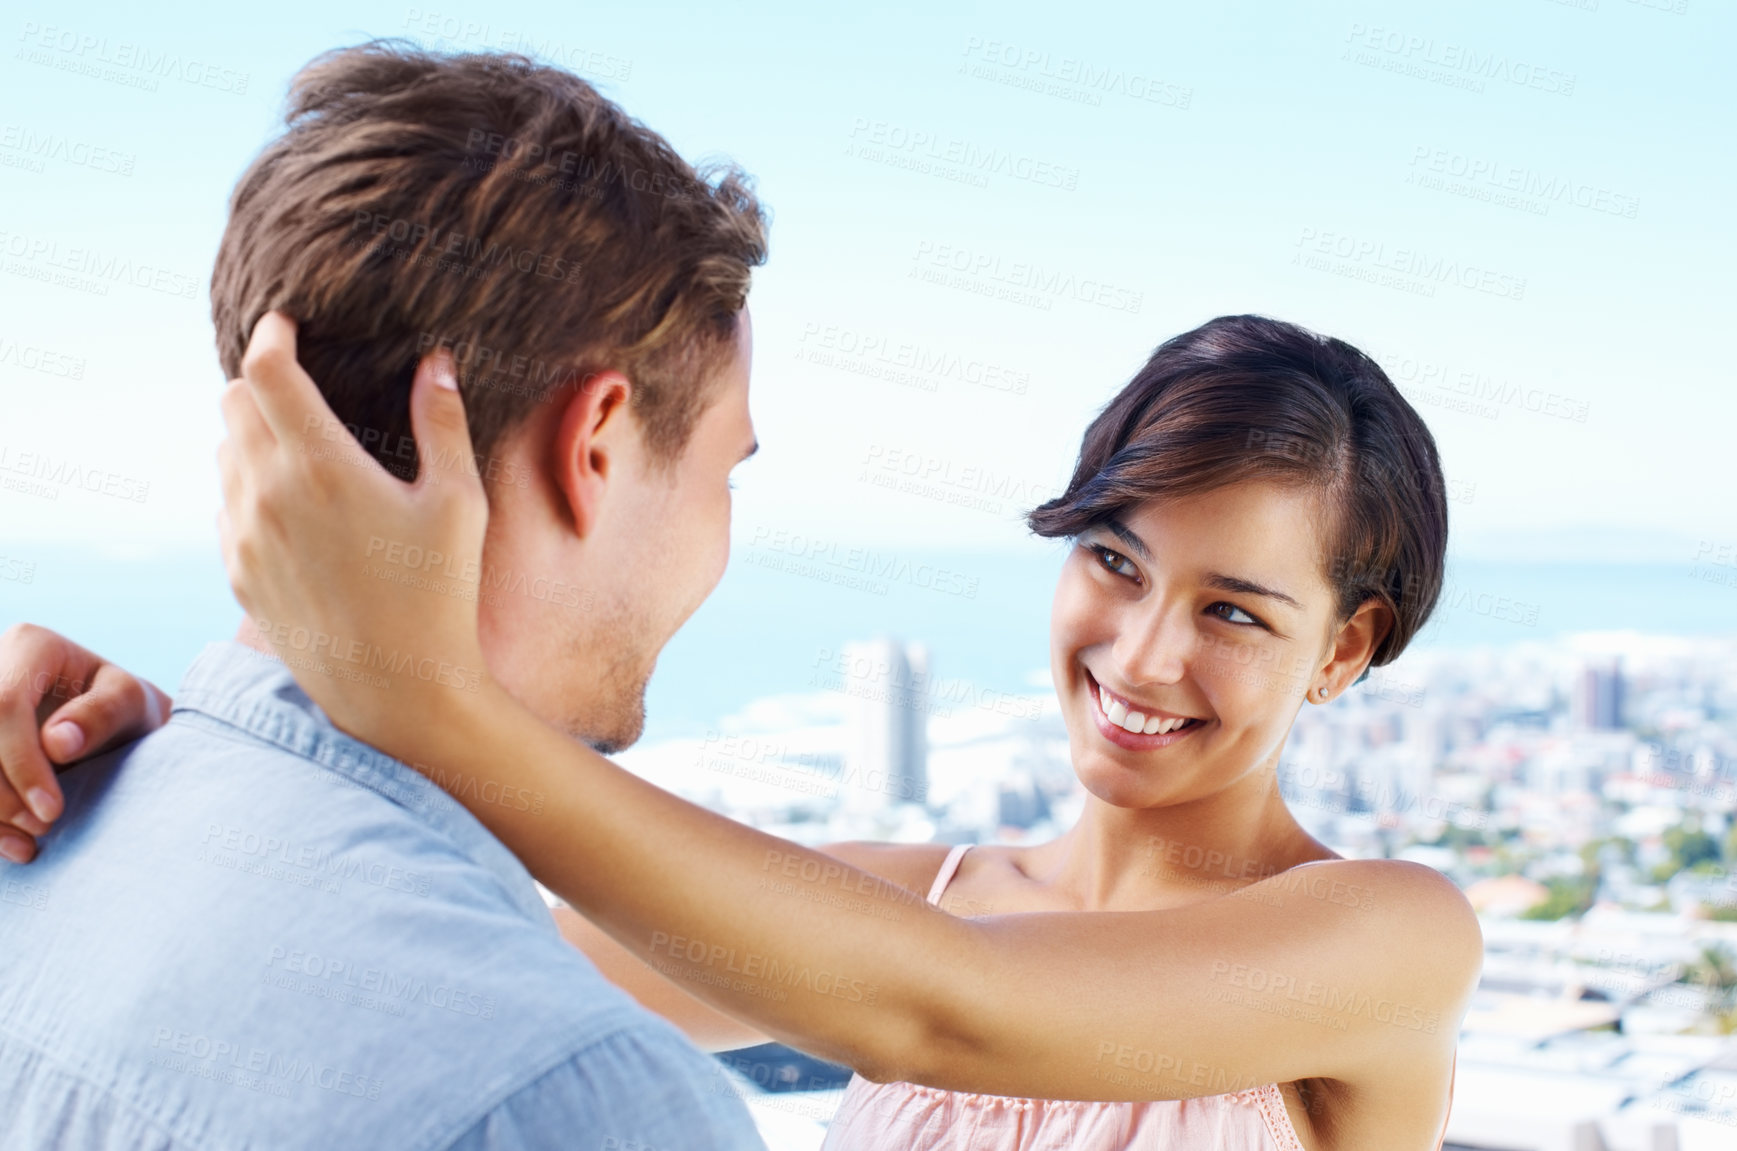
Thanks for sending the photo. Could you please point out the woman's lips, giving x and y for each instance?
(1121, 736)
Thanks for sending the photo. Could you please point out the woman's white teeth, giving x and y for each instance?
(1135, 722)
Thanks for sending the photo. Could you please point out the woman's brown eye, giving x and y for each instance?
(1246, 618)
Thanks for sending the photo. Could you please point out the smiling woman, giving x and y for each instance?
(1257, 519)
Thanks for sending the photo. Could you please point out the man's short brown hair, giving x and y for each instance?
(500, 208)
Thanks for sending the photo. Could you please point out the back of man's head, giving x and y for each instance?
(496, 207)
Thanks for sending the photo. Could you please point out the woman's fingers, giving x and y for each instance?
(116, 707)
(286, 395)
(58, 704)
(34, 663)
(247, 427)
(17, 845)
(438, 422)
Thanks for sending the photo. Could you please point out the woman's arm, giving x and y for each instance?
(1294, 977)
(911, 865)
(1335, 970)
(709, 1028)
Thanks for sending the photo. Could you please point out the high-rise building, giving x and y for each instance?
(887, 754)
(1598, 692)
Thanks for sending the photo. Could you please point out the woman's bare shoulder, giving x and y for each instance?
(1410, 901)
(910, 865)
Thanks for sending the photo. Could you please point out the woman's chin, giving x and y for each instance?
(1123, 785)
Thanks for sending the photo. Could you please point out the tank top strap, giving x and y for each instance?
(1442, 1138)
(945, 875)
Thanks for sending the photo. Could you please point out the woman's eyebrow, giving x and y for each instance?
(1232, 583)
(1216, 580)
(1126, 534)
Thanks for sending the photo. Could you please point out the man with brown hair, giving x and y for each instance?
(250, 929)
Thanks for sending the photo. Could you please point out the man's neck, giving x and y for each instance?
(248, 636)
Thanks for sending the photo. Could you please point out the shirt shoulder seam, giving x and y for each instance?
(537, 1072)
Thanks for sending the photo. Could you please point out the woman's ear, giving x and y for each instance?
(590, 443)
(1356, 643)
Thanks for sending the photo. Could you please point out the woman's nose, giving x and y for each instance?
(1154, 645)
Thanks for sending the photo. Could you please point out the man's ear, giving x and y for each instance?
(591, 443)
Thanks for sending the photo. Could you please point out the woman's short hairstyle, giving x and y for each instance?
(1247, 398)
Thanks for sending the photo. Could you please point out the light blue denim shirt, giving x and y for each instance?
(249, 930)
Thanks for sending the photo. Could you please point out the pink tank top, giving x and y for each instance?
(907, 1117)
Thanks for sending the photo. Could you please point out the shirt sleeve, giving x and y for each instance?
(633, 1090)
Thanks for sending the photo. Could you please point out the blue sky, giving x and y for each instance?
(1522, 208)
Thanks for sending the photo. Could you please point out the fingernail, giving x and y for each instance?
(67, 737)
(14, 849)
(41, 803)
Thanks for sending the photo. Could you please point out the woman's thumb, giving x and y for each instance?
(437, 419)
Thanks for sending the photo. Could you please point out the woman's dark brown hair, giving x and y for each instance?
(1247, 398)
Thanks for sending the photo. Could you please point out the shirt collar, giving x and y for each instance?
(254, 692)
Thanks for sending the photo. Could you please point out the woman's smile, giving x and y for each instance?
(1116, 718)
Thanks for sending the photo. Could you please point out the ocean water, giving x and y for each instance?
(778, 620)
